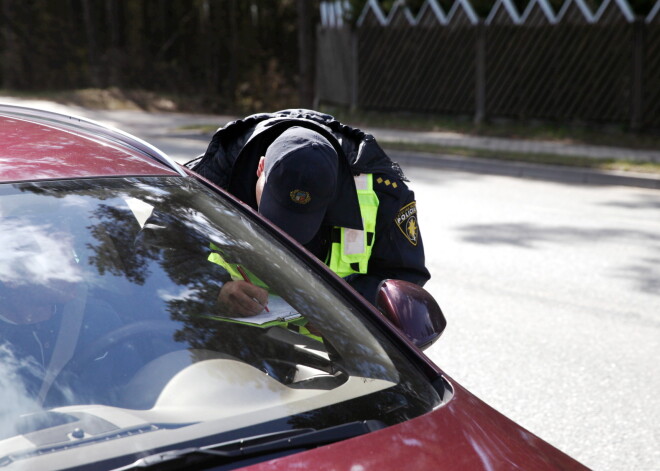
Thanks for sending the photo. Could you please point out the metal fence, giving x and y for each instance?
(570, 66)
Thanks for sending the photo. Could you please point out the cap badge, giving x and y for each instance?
(300, 196)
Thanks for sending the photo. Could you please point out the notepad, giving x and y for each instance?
(280, 311)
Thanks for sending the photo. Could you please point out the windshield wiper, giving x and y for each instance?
(280, 443)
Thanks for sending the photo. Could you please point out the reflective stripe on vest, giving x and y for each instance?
(216, 258)
(351, 250)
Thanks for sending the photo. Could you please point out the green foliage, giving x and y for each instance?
(234, 53)
(222, 54)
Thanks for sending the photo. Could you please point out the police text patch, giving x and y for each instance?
(406, 221)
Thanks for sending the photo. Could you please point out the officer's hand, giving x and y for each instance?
(240, 298)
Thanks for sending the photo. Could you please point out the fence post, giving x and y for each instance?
(637, 85)
(480, 73)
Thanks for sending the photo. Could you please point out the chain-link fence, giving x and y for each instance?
(573, 66)
(650, 92)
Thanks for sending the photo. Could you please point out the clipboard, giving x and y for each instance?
(279, 312)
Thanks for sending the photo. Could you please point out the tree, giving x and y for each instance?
(306, 53)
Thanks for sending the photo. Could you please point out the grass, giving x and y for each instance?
(568, 134)
(534, 158)
(405, 121)
(572, 133)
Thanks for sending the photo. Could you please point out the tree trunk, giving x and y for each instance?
(234, 46)
(306, 54)
(115, 59)
(11, 57)
(92, 45)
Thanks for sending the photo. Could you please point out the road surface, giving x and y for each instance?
(552, 295)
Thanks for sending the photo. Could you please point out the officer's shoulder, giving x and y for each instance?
(389, 184)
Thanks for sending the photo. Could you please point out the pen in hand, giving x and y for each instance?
(245, 277)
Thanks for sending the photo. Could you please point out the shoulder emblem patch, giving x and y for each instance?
(406, 221)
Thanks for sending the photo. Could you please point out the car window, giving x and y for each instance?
(111, 325)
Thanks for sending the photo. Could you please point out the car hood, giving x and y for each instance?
(464, 434)
(35, 150)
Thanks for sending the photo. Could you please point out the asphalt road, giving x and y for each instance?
(551, 291)
(552, 295)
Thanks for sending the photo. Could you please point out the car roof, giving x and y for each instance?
(41, 145)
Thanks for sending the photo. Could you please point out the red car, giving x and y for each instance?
(115, 352)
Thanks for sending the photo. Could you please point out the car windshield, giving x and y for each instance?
(113, 342)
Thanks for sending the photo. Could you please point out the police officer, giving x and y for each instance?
(329, 186)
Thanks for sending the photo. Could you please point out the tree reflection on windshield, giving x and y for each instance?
(134, 321)
(144, 250)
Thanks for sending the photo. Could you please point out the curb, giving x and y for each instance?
(554, 173)
(527, 146)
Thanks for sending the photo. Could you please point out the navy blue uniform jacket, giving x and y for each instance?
(398, 253)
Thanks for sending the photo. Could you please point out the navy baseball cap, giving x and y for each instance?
(301, 171)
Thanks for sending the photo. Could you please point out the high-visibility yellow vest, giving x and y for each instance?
(351, 248)
(298, 325)
(216, 258)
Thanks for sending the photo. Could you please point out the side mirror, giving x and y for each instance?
(413, 310)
